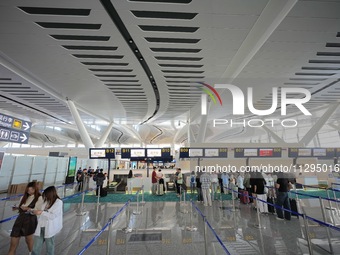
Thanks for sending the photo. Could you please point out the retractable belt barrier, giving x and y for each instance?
(109, 222)
(313, 196)
(293, 212)
(20, 195)
(211, 228)
(65, 198)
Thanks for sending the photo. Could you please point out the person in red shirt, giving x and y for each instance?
(154, 181)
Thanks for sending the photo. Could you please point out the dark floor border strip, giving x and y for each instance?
(110, 9)
(32, 108)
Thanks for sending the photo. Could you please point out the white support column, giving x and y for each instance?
(319, 124)
(104, 136)
(191, 136)
(81, 127)
(203, 128)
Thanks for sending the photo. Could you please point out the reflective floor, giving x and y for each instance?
(178, 228)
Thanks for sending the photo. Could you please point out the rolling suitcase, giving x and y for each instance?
(103, 193)
(244, 197)
(293, 206)
(160, 190)
(271, 208)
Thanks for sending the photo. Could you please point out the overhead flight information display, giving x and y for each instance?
(102, 153)
(185, 152)
(215, 152)
(195, 153)
(137, 153)
(313, 152)
(258, 152)
(143, 153)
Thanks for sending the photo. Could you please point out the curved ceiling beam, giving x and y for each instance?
(112, 12)
(158, 135)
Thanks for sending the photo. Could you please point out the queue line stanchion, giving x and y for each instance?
(258, 223)
(82, 213)
(309, 242)
(108, 242)
(205, 235)
(127, 228)
(137, 212)
(327, 229)
(142, 202)
(191, 228)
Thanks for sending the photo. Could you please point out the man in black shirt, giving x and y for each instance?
(282, 185)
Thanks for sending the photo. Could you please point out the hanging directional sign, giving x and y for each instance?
(13, 129)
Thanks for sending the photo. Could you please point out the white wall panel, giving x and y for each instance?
(6, 171)
(51, 170)
(62, 170)
(22, 169)
(38, 168)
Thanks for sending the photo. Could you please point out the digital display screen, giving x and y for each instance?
(72, 166)
(250, 152)
(154, 153)
(266, 152)
(319, 153)
(102, 153)
(97, 153)
(211, 152)
(137, 153)
(305, 152)
(195, 153)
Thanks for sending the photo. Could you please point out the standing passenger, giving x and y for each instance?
(282, 199)
(50, 221)
(225, 181)
(26, 223)
(205, 186)
(129, 181)
(259, 190)
(214, 183)
(154, 181)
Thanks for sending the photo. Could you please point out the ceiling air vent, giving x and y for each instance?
(164, 15)
(332, 54)
(179, 58)
(111, 70)
(180, 65)
(316, 74)
(104, 64)
(173, 29)
(115, 75)
(335, 45)
(180, 50)
(185, 77)
(172, 40)
(81, 37)
(81, 47)
(55, 11)
(58, 25)
(98, 56)
(324, 61)
(177, 71)
(164, 1)
(320, 68)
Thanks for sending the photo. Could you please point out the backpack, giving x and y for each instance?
(192, 180)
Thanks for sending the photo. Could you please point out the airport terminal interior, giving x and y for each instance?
(173, 126)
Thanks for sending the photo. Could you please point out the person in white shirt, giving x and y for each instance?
(225, 181)
(50, 221)
(214, 184)
(240, 184)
